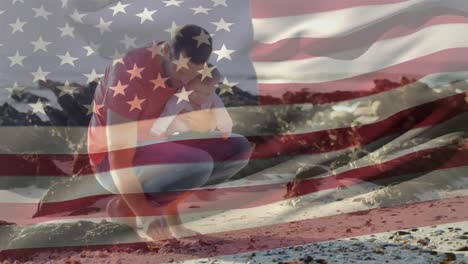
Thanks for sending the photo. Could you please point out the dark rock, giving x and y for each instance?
(3, 223)
(402, 233)
(464, 248)
(308, 259)
(424, 241)
(449, 256)
(298, 248)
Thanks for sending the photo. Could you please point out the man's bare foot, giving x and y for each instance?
(180, 231)
(159, 229)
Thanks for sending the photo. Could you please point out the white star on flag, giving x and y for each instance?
(40, 44)
(135, 103)
(222, 25)
(103, 26)
(41, 12)
(16, 59)
(119, 89)
(129, 42)
(38, 107)
(66, 89)
(15, 88)
(183, 96)
(118, 8)
(89, 50)
(200, 10)
(155, 49)
(173, 30)
(93, 76)
(146, 15)
(67, 59)
(223, 53)
(173, 2)
(206, 71)
(182, 62)
(77, 17)
(17, 26)
(226, 86)
(159, 82)
(203, 38)
(39, 75)
(135, 72)
(66, 31)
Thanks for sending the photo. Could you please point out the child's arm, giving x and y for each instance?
(223, 119)
(162, 123)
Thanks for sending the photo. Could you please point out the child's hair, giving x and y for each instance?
(184, 41)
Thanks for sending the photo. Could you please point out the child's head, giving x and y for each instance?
(203, 90)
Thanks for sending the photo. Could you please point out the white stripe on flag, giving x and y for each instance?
(380, 55)
(339, 23)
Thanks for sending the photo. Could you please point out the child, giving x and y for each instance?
(203, 113)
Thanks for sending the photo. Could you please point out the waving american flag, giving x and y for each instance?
(357, 111)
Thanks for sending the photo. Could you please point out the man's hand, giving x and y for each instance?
(157, 229)
(226, 134)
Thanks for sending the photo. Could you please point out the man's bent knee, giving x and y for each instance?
(243, 148)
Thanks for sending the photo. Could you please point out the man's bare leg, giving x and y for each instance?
(173, 217)
(119, 212)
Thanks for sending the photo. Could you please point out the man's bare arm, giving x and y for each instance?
(172, 108)
(223, 119)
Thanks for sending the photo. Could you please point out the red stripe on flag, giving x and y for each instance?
(363, 85)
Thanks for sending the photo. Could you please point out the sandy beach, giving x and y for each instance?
(304, 240)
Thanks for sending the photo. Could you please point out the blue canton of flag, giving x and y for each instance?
(72, 41)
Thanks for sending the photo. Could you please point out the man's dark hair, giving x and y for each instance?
(184, 41)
